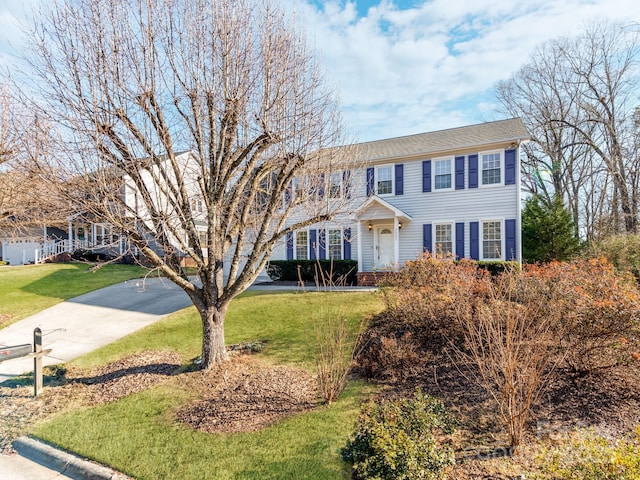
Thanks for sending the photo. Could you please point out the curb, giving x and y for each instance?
(65, 463)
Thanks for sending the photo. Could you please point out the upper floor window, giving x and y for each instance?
(491, 168)
(492, 240)
(296, 187)
(197, 205)
(384, 180)
(302, 245)
(442, 177)
(335, 244)
(444, 240)
(335, 185)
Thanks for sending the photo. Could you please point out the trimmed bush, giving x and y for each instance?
(339, 271)
(586, 456)
(496, 267)
(395, 440)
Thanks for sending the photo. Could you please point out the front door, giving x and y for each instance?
(384, 247)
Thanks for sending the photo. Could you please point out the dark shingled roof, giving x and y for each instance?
(429, 143)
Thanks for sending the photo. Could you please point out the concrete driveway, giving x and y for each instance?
(82, 324)
(78, 326)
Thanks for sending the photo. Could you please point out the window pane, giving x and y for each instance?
(444, 240)
(442, 174)
(385, 180)
(335, 189)
(302, 241)
(491, 240)
(490, 168)
(335, 244)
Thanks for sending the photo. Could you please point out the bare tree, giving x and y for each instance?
(578, 97)
(25, 201)
(198, 128)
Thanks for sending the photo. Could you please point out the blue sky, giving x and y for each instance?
(410, 66)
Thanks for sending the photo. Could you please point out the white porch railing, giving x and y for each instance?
(51, 249)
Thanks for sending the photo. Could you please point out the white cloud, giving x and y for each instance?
(409, 66)
(434, 65)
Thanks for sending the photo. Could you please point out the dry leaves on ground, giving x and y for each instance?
(243, 395)
(19, 409)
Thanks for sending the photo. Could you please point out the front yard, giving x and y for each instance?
(141, 406)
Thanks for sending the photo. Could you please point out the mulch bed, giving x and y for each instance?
(244, 395)
(74, 387)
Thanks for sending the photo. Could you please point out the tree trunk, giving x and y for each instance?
(213, 348)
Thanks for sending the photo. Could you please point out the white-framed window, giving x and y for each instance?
(442, 174)
(296, 187)
(384, 180)
(491, 168)
(197, 205)
(334, 244)
(335, 185)
(492, 240)
(443, 245)
(302, 245)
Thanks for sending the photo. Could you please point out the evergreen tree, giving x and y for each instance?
(548, 231)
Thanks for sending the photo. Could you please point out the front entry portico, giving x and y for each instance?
(379, 235)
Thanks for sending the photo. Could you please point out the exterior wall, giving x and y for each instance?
(490, 202)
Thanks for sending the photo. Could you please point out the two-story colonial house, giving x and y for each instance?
(451, 192)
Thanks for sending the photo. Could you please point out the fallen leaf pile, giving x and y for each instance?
(243, 396)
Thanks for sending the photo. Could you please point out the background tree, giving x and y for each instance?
(132, 84)
(26, 203)
(548, 231)
(578, 98)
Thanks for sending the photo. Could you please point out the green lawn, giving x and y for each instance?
(25, 290)
(139, 436)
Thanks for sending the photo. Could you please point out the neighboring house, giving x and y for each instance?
(451, 192)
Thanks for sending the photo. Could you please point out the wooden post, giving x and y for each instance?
(37, 362)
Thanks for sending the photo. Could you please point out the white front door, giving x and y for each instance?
(384, 247)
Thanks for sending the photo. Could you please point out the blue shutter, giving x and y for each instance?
(459, 173)
(510, 239)
(346, 183)
(313, 244)
(399, 179)
(322, 248)
(346, 243)
(474, 240)
(427, 243)
(290, 246)
(370, 180)
(509, 167)
(426, 176)
(321, 186)
(460, 240)
(473, 171)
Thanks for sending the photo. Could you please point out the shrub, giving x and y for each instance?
(510, 339)
(395, 440)
(600, 311)
(623, 251)
(496, 267)
(429, 296)
(389, 357)
(585, 456)
(335, 351)
(338, 271)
